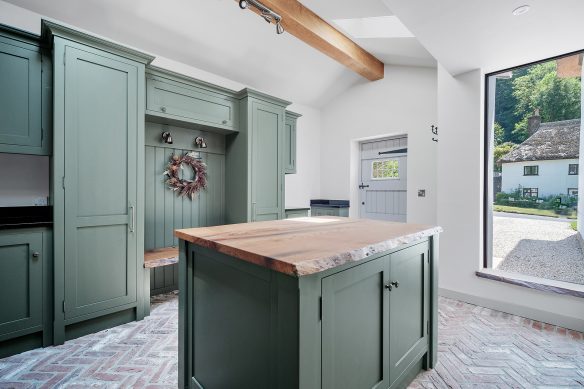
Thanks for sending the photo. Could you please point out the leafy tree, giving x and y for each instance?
(500, 151)
(557, 98)
(499, 134)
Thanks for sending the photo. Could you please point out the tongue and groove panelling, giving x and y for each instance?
(165, 210)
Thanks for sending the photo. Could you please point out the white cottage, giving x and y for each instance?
(546, 163)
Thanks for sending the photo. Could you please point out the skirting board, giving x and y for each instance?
(568, 322)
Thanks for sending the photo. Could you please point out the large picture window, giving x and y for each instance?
(532, 153)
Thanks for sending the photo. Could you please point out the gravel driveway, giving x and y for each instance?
(540, 248)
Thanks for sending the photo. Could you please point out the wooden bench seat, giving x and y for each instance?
(160, 257)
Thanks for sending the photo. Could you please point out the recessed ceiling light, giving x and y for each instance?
(521, 10)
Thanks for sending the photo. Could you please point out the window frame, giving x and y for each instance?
(572, 189)
(487, 157)
(570, 173)
(527, 167)
(530, 190)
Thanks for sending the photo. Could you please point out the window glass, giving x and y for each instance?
(387, 169)
(573, 169)
(530, 170)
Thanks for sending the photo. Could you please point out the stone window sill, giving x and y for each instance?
(565, 288)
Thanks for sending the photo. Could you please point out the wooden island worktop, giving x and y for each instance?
(307, 303)
(308, 245)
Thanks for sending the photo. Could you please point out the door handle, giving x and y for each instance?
(389, 287)
(363, 186)
(132, 218)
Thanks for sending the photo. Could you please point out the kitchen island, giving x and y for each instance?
(312, 303)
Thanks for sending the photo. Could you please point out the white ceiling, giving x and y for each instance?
(218, 37)
(468, 34)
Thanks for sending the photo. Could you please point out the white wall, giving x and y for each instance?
(460, 193)
(305, 184)
(24, 179)
(404, 102)
(553, 178)
(300, 187)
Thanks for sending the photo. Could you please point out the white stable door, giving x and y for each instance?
(383, 187)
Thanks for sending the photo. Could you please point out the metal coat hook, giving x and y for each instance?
(435, 132)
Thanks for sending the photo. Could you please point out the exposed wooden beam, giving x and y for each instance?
(313, 30)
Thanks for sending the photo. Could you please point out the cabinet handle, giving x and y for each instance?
(224, 122)
(36, 254)
(253, 215)
(163, 109)
(133, 218)
(389, 287)
(396, 284)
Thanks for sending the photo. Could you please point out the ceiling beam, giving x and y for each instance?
(316, 32)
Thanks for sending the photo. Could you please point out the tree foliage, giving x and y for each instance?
(535, 86)
(501, 150)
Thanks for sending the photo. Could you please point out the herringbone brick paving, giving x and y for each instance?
(478, 348)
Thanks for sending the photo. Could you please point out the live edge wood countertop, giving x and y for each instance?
(308, 245)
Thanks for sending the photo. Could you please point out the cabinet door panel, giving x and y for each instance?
(267, 177)
(100, 181)
(20, 282)
(20, 96)
(355, 316)
(408, 310)
(189, 103)
(290, 146)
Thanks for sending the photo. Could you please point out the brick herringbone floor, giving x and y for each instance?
(478, 348)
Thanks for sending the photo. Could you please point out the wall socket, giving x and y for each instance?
(421, 192)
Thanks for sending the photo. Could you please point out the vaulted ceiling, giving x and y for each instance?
(218, 37)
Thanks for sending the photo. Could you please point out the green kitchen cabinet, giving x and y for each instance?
(296, 212)
(25, 289)
(172, 98)
(361, 325)
(328, 211)
(22, 94)
(98, 185)
(254, 181)
(290, 142)
(355, 327)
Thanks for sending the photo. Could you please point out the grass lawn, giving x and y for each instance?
(530, 211)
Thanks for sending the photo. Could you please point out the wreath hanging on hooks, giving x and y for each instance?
(183, 186)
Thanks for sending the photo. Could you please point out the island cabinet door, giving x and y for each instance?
(101, 143)
(267, 171)
(408, 308)
(355, 313)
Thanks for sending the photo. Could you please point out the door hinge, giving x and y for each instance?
(63, 306)
(320, 308)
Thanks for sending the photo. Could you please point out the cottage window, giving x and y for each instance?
(531, 170)
(573, 192)
(387, 169)
(530, 192)
(573, 169)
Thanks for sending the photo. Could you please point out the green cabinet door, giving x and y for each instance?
(100, 133)
(408, 312)
(20, 96)
(21, 282)
(290, 142)
(267, 180)
(355, 316)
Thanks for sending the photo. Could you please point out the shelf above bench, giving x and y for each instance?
(160, 257)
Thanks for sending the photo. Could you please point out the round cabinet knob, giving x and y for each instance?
(224, 122)
(389, 287)
(36, 254)
(395, 283)
(163, 109)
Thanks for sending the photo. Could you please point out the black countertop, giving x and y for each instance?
(329, 203)
(25, 217)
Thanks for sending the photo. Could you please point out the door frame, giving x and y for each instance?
(355, 165)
